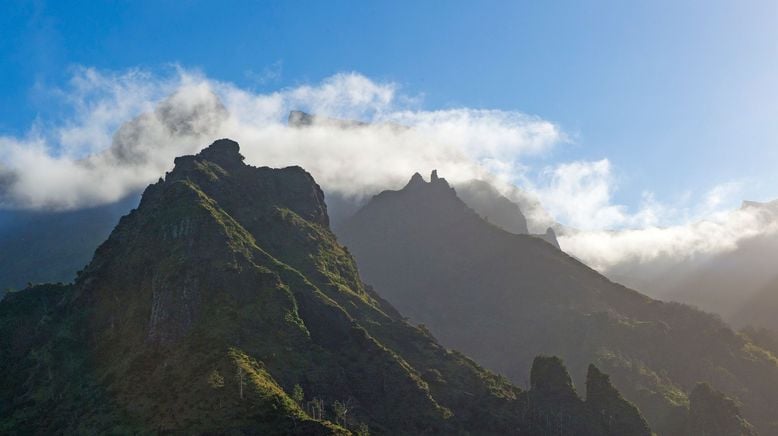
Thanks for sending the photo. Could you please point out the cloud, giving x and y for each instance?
(579, 194)
(577, 199)
(96, 156)
(708, 232)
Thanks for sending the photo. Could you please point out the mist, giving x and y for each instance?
(125, 128)
(171, 116)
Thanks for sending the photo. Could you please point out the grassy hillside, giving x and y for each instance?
(223, 304)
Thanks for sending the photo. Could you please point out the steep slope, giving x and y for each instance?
(486, 201)
(740, 283)
(492, 206)
(503, 298)
(223, 304)
(711, 413)
(760, 309)
(50, 246)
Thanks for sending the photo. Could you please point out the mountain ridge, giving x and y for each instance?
(223, 303)
(503, 298)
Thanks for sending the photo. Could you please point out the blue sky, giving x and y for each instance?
(679, 96)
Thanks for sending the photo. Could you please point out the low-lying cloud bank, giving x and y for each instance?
(605, 250)
(81, 162)
(125, 129)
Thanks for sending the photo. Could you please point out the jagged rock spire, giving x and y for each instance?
(617, 415)
(416, 180)
(549, 375)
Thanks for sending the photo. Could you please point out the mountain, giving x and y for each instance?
(50, 246)
(486, 200)
(493, 206)
(712, 413)
(224, 304)
(738, 283)
(53, 241)
(504, 298)
(759, 309)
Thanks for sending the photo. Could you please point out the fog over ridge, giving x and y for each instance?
(126, 128)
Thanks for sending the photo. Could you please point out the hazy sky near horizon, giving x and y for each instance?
(681, 98)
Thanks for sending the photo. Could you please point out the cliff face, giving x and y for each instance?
(492, 206)
(615, 413)
(555, 404)
(223, 303)
(504, 298)
(712, 413)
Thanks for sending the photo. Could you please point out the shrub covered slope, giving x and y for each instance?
(224, 304)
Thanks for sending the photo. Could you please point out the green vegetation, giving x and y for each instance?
(223, 304)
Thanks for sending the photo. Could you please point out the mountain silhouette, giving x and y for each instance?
(224, 304)
(503, 298)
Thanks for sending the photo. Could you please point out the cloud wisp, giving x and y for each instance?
(124, 129)
(721, 232)
(82, 162)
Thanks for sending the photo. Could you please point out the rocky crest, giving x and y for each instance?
(224, 304)
(603, 399)
(712, 413)
(504, 298)
(555, 401)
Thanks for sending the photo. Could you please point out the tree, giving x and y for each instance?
(215, 380)
(315, 408)
(298, 395)
(362, 429)
(240, 376)
(340, 409)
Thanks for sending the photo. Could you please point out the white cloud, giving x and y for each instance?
(81, 161)
(85, 160)
(579, 194)
(703, 230)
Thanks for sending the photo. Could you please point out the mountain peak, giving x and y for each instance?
(549, 374)
(550, 237)
(222, 151)
(435, 180)
(227, 283)
(299, 119)
(487, 201)
(621, 416)
(417, 181)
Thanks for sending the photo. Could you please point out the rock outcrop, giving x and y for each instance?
(224, 304)
(504, 298)
(711, 413)
(616, 414)
(556, 407)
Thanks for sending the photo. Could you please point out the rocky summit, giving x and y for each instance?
(504, 298)
(224, 304)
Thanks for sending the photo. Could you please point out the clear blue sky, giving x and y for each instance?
(678, 95)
